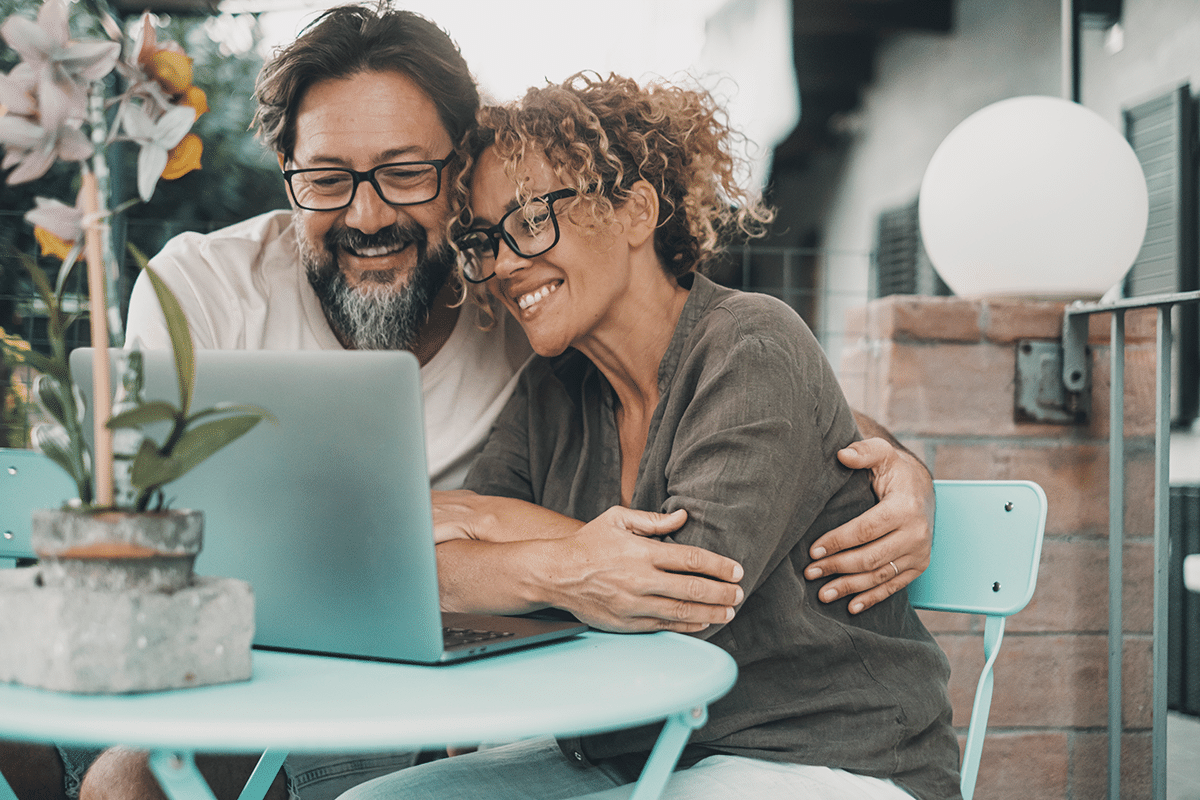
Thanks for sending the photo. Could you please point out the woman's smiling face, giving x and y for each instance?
(565, 295)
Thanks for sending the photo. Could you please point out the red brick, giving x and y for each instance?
(1009, 321)
(1045, 681)
(1141, 325)
(1072, 589)
(948, 389)
(856, 323)
(936, 319)
(1089, 765)
(944, 621)
(1140, 401)
(1137, 683)
(1073, 475)
(855, 376)
(1023, 766)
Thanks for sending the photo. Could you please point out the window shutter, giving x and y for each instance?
(1162, 132)
(901, 264)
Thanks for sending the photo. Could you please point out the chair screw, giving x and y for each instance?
(1008, 506)
(996, 586)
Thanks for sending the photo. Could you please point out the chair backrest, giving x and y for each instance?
(28, 481)
(987, 542)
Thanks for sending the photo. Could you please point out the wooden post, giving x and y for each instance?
(98, 313)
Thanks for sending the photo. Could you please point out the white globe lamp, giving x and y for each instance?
(1033, 197)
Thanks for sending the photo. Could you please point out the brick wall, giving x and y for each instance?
(939, 372)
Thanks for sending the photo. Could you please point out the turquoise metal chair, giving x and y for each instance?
(987, 542)
(28, 480)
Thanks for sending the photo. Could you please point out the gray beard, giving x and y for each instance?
(374, 315)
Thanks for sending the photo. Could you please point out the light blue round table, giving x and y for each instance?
(594, 682)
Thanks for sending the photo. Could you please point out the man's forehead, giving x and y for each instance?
(369, 116)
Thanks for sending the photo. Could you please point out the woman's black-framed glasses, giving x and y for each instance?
(529, 230)
(401, 183)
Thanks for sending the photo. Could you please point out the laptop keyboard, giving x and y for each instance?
(459, 637)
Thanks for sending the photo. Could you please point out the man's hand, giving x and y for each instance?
(885, 549)
(611, 576)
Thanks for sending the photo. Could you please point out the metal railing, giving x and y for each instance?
(1075, 321)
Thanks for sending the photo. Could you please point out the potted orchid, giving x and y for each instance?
(116, 546)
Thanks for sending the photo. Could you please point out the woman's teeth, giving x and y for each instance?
(528, 300)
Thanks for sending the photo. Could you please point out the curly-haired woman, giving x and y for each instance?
(658, 396)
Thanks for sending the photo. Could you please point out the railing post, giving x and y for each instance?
(1116, 547)
(1162, 511)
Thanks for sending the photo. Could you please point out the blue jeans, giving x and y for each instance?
(309, 777)
(535, 769)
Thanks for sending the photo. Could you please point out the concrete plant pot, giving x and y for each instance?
(113, 606)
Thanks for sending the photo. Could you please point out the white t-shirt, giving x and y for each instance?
(244, 288)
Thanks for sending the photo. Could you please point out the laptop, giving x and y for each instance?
(326, 514)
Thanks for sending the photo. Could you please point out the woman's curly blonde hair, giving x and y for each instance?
(602, 135)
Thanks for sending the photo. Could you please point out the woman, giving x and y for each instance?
(592, 204)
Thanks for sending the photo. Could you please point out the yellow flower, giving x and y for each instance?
(172, 70)
(184, 157)
(195, 98)
(51, 244)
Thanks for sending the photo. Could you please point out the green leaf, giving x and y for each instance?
(146, 413)
(17, 351)
(68, 266)
(181, 338)
(53, 448)
(231, 408)
(151, 468)
(202, 441)
(50, 395)
(41, 282)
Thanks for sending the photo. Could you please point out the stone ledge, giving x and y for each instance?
(97, 642)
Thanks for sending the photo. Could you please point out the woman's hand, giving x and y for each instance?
(885, 549)
(610, 575)
(460, 514)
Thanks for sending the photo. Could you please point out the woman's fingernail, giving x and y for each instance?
(728, 614)
(856, 607)
(818, 552)
(828, 595)
(812, 573)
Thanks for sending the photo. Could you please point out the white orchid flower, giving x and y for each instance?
(156, 138)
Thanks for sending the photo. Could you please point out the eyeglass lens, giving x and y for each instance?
(398, 184)
(529, 230)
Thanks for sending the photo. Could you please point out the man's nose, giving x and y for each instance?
(368, 212)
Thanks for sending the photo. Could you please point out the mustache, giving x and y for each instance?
(393, 237)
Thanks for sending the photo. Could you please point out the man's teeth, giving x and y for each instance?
(527, 300)
(375, 252)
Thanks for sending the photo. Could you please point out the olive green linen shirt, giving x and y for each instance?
(745, 437)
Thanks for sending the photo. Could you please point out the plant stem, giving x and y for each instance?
(98, 307)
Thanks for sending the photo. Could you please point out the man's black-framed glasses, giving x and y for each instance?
(401, 183)
(529, 230)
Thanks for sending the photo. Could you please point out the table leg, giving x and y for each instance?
(260, 780)
(666, 752)
(6, 792)
(177, 775)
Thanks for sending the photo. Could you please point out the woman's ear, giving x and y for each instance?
(641, 210)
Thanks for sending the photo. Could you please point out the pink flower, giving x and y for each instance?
(46, 46)
(32, 149)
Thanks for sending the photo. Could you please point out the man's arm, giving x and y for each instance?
(606, 572)
(898, 531)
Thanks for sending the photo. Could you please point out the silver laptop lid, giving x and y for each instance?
(326, 514)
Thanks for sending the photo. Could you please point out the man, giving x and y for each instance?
(374, 101)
